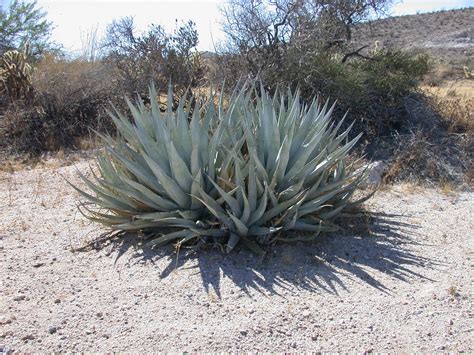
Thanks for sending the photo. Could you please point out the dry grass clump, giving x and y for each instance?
(458, 113)
(455, 103)
(441, 73)
(442, 155)
(429, 159)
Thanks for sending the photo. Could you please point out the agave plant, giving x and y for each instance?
(249, 173)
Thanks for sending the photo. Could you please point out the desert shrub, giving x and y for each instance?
(324, 75)
(248, 174)
(136, 60)
(390, 77)
(68, 101)
(393, 74)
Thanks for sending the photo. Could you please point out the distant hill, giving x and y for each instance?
(445, 34)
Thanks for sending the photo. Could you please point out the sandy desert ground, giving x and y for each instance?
(405, 287)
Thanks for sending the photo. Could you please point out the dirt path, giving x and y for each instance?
(407, 287)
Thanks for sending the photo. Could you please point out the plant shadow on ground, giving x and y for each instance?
(320, 266)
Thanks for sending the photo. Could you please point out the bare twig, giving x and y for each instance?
(356, 53)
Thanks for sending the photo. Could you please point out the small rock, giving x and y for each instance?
(28, 337)
(52, 329)
(6, 334)
(375, 172)
(99, 314)
(451, 322)
(314, 337)
(19, 298)
(4, 321)
(36, 265)
(243, 332)
(57, 300)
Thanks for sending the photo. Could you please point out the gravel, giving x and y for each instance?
(406, 287)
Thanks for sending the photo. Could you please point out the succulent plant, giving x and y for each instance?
(15, 73)
(249, 173)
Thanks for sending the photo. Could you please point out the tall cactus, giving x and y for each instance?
(15, 74)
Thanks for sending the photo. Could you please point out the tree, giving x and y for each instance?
(25, 22)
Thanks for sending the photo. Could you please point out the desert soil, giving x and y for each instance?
(405, 287)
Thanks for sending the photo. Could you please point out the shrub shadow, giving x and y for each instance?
(321, 266)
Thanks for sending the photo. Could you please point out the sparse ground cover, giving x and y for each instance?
(404, 286)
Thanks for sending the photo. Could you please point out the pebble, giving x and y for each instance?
(52, 329)
(28, 337)
(4, 321)
(57, 300)
(19, 298)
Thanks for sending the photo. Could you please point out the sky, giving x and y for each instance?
(74, 19)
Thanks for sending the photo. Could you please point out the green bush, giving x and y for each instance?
(204, 174)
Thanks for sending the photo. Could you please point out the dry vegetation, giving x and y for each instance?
(441, 154)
